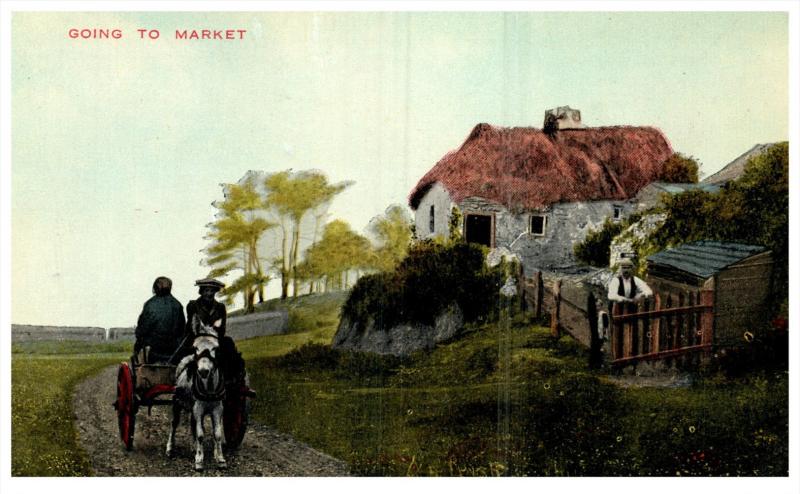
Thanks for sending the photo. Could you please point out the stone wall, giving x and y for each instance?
(239, 328)
(26, 332)
(566, 225)
(258, 324)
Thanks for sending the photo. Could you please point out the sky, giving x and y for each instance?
(119, 146)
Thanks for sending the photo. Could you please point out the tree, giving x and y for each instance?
(680, 169)
(754, 209)
(392, 233)
(235, 236)
(339, 251)
(292, 195)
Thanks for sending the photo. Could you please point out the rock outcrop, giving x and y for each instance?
(402, 339)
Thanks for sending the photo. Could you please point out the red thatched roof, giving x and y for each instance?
(523, 167)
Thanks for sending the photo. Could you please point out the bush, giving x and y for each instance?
(595, 250)
(680, 169)
(431, 278)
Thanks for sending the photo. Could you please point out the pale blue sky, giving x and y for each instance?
(119, 146)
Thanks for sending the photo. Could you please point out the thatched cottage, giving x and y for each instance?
(535, 191)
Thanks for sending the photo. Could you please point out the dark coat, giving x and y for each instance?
(230, 360)
(206, 315)
(160, 325)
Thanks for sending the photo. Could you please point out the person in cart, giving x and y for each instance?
(213, 313)
(160, 327)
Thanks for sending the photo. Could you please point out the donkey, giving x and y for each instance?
(200, 390)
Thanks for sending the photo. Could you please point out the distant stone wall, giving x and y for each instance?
(122, 334)
(25, 332)
(258, 324)
(239, 328)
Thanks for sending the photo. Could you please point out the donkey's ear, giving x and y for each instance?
(218, 323)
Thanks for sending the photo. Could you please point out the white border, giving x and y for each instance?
(738, 485)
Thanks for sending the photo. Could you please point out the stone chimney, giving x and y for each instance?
(562, 117)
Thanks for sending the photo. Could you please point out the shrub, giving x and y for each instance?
(680, 169)
(431, 278)
(595, 250)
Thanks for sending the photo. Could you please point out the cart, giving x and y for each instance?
(148, 385)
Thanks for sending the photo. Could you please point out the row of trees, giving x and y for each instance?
(265, 221)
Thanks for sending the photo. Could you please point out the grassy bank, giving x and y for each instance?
(43, 437)
(508, 399)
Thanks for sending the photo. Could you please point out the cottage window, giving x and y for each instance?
(431, 222)
(538, 224)
(617, 212)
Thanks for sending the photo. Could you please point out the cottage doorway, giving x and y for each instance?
(478, 229)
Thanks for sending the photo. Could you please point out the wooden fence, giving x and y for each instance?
(679, 325)
(669, 325)
(570, 305)
(533, 294)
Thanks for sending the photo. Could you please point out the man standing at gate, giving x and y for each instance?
(626, 287)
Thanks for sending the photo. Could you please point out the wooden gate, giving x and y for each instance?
(681, 325)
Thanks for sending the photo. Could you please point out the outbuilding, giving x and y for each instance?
(739, 276)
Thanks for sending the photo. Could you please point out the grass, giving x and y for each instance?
(43, 437)
(503, 399)
(70, 347)
(508, 399)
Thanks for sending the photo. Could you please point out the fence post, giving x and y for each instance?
(628, 327)
(707, 319)
(520, 275)
(538, 294)
(616, 331)
(554, 317)
(596, 343)
(655, 326)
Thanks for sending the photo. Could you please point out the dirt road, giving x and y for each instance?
(263, 452)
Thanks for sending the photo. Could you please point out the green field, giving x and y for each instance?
(503, 399)
(508, 399)
(43, 436)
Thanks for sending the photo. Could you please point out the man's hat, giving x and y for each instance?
(210, 282)
(625, 262)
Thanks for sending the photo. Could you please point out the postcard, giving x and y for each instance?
(351, 240)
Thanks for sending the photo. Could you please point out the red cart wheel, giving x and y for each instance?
(235, 415)
(125, 405)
